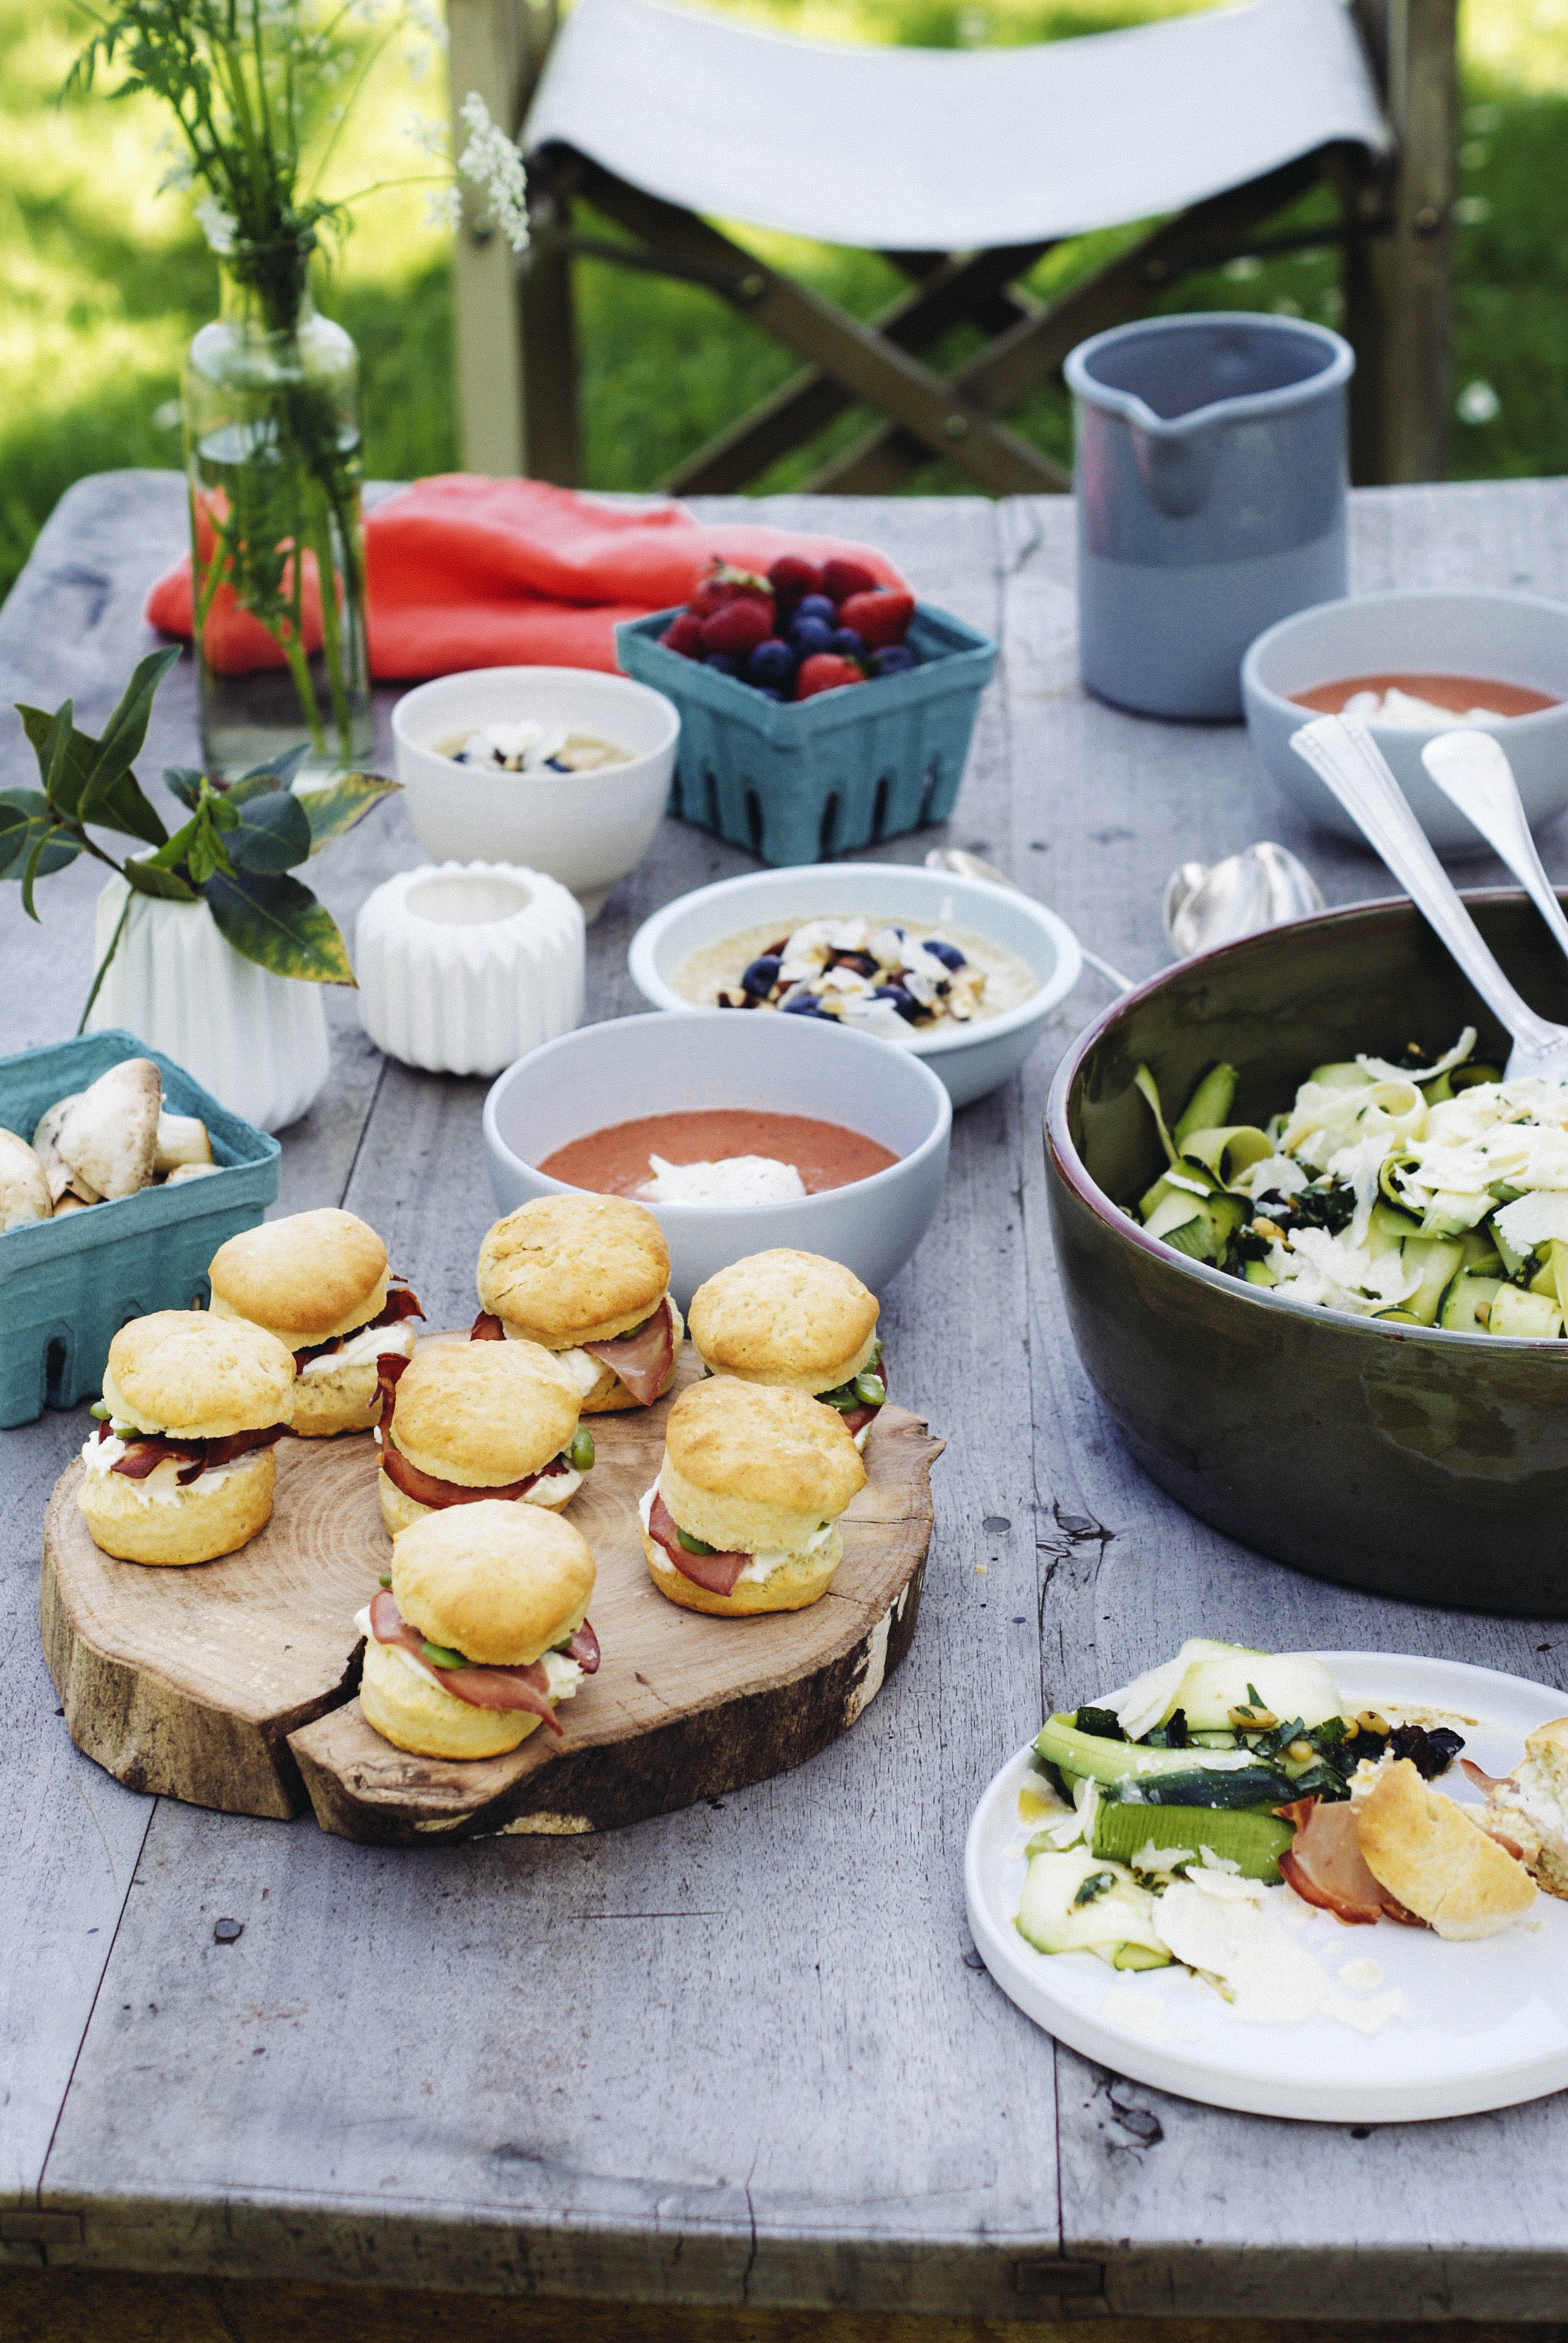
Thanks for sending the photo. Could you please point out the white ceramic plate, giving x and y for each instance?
(1488, 2024)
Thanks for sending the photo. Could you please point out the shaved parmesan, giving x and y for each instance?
(1381, 1071)
(1535, 1219)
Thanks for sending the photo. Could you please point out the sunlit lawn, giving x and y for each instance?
(102, 281)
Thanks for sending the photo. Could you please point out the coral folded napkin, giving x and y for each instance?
(463, 572)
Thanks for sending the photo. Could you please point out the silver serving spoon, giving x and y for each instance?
(964, 865)
(1342, 753)
(1471, 770)
(1261, 887)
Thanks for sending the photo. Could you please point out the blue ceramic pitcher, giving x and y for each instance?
(1210, 482)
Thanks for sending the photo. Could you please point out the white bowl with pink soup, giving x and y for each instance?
(893, 1118)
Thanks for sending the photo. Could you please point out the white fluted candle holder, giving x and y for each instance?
(256, 1041)
(464, 966)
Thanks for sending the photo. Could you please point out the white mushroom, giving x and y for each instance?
(189, 1172)
(23, 1190)
(109, 1138)
(57, 1170)
(69, 1202)
(182, 1140)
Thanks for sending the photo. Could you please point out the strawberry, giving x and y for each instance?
(842, 579)
(878, 618)
(793, 578)
(739, 627)
(722, 583)
(684, 634)
(824, 671)
(710, 595)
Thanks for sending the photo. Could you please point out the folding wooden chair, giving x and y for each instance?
(962, 168)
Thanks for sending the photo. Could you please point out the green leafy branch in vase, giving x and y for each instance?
(235, 854)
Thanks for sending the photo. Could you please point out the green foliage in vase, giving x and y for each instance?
(236, 853)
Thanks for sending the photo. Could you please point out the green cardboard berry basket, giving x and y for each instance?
(69, 1285)
(803, 781)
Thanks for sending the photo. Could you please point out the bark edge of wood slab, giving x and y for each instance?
(232, 1683)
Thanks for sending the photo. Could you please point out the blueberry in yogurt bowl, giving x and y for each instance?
(901, 979)
(524, 746)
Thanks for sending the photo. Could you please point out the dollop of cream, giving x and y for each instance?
(734, 1179)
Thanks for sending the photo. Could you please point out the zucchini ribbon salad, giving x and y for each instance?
(1172, 1824)
(1426, 1193)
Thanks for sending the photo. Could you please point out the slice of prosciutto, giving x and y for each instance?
(717, 1572)
(481, 1687)
(583, 1647)
(147, 1451)
(640, 1360)
(426, 1489)
(1325, 1866)
(486, 1328)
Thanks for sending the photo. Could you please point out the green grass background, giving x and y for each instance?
(102, 280)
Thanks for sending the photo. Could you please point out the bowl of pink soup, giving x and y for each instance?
(740, 1134)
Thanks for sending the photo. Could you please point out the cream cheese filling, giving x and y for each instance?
(370, 1343)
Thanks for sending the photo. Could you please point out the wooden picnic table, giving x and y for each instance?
(746, 2054)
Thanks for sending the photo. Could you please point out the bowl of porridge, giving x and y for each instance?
(961, 973)
(562, 770)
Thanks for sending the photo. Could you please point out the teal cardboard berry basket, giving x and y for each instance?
(69, 1285)
(803, 781)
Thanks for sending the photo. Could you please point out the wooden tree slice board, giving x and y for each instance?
(232, 1685)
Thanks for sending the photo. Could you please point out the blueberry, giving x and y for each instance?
(771, 662)
(808, 635)
(897, 658)
(949, 954)
(761, 976)
(726, 662)
(817, 605)
(801, 1004)
(846, 643)
(906, 1004)
(766, 691)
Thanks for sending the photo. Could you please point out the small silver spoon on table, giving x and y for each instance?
(1471, 770)
(1342, 753)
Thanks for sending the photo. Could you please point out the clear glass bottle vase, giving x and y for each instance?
(274, 463)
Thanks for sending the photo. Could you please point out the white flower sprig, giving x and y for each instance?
(492, 162)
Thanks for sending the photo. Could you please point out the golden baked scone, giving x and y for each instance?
(574, 1269)
(197, 1377)
(304, 1279)
(500, 1584)
(479, 1415)
(1529, 1808)
(182, 1391)
(481, 1633)
(791, 1319)
(744, 1516)
(318, 1281)
(1426, 1850)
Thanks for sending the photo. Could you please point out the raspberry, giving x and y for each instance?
(824, 671)
(880, 619)
(684, 634)
(842, 579)
(739, 627)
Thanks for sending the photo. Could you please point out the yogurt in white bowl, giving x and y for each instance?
(587, 829)
(1032, 956)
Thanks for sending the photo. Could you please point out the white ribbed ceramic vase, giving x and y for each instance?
(464, 966)
(256, 1041)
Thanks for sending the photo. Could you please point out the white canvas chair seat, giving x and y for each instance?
(944, 150)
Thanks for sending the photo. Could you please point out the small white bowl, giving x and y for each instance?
(636, 1066)
(971, 1060)
(586, 830)
(1504, 638)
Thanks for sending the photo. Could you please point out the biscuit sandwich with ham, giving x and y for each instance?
(587, 1278)
(798, 1323)
(466, 1421)
(181, 1469)
(318, 1281)
(479, 1631)
(744, 1516)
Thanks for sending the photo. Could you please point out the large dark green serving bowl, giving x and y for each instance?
(1410, 1461)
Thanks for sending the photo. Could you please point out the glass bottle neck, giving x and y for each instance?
(265, 288)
